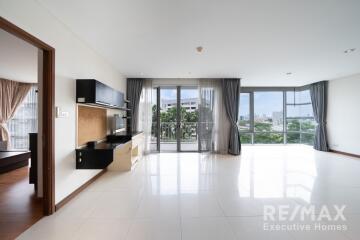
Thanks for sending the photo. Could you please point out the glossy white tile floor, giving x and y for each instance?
(202, 196)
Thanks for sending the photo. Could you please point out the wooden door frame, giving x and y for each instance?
(48, 118)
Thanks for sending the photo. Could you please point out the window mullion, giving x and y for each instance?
(284, 117)
(252, 117)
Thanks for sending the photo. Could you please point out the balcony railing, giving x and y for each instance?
(188, 132)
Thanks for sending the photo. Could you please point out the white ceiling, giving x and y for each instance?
(18, 59)
(257, 40)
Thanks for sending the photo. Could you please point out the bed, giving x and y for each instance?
(10, 160)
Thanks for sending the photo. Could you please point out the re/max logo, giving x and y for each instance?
(302, 213)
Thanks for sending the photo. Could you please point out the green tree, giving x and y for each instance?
(264, 134)
(300, 131)
(262, 127)
(168, 121)
(245, 138)
(293, 125)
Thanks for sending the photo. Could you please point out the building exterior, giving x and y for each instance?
(190, 104)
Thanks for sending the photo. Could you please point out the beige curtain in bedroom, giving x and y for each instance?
(12, 95)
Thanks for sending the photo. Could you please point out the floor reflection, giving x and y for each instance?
(262, 173)
(272, 174)
(171, 195)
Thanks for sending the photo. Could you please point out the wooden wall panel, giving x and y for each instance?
(91, 124)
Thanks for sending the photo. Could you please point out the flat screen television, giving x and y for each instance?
(118, 123)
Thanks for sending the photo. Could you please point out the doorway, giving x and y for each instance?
(176, 119)
(47, 65)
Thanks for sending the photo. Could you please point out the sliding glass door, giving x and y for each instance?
(169, 129)
(189, 114)
(175, 119)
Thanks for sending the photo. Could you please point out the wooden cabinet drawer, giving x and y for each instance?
(122, 158)
(137, 140)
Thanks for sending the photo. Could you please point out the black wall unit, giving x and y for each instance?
(118, 138)
(91, 91)
(118, 98)
(100, 155)
(93, 158)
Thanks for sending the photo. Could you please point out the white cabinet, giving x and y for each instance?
(127, 155)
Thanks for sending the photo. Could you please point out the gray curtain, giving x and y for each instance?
(133, 91)
(318, 92)
(231, 94)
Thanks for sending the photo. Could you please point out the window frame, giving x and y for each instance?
(300, 118)
(21, 138)
(284, 90)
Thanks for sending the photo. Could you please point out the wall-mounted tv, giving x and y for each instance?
(119, 123)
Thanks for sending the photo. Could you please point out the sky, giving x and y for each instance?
(185, 93)
(269, 102)
(264, 102)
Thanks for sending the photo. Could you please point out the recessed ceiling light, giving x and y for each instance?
(288, 73)
(199, 49)
(350, 50)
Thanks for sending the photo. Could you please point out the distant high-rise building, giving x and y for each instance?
(277, 118)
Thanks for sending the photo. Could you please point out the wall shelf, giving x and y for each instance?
(93, 92)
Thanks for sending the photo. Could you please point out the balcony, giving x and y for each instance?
(168, 140)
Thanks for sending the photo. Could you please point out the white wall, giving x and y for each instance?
(175, 81)
(73, 60)
(18, 59)
(344, 114)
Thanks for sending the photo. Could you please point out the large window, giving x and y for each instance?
(24, 121)
(268, 117)
(299, 117)
(245, 118)
(276, 115)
